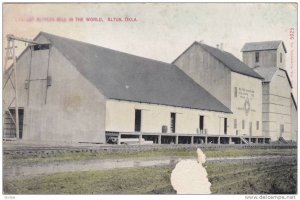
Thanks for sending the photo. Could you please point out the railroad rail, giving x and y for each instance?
(48, 150)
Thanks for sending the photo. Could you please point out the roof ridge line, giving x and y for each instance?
(226, 64)
(86, 43)
(74, 65)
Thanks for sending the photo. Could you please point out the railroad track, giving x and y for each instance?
(27, 149)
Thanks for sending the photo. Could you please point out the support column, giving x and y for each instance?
(140, 138)
(219, 140)
(119, 138)
(192, 140)
(176, 139)
(16, 90)
(205, 140)
(159, 139)
(264, 140)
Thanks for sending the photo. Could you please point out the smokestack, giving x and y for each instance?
(217, 46)
(221, 46)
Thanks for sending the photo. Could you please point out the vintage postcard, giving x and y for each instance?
(150, 98)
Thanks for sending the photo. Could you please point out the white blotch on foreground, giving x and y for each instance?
(190, 177)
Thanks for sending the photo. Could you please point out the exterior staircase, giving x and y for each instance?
(282, 140)
(244, 140)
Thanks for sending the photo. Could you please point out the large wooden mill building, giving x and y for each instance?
(70, 92)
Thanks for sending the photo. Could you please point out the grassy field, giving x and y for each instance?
(11, 160)
(118, 181)
(268, 177)
(272, 177)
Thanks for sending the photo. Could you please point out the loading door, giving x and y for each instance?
(173, 122)
(138, 119)
(225, 126)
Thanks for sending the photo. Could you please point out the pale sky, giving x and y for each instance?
(162, 30)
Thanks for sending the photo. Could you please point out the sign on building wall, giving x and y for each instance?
(247, 95)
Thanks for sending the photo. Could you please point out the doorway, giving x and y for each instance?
(137, 121)
(225, 126)
(201, 123)
(173, 122)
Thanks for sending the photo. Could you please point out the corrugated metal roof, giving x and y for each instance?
(260, 46)
(230, 61)
(123, 76)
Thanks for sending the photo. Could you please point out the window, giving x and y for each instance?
(173, 122)
(243, 124)
(235, 91)
(37, 47)
(201, 123)
(235, 123)
(256, 56)
(257, 125)
(137, 121)
(280, 57)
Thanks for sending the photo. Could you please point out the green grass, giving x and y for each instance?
(248, 152)
(11, 160)
(269, 177)
(150, 180)
(272, 177)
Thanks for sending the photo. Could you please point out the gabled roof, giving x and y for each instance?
(229, 60)
(268, 73)
(261, 46)
(127, 77)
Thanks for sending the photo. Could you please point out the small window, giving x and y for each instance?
(257, 125)
(235, 123)
(37, 47)
(256, 56)
(243, 124)
(235, 91)
(280, 57)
